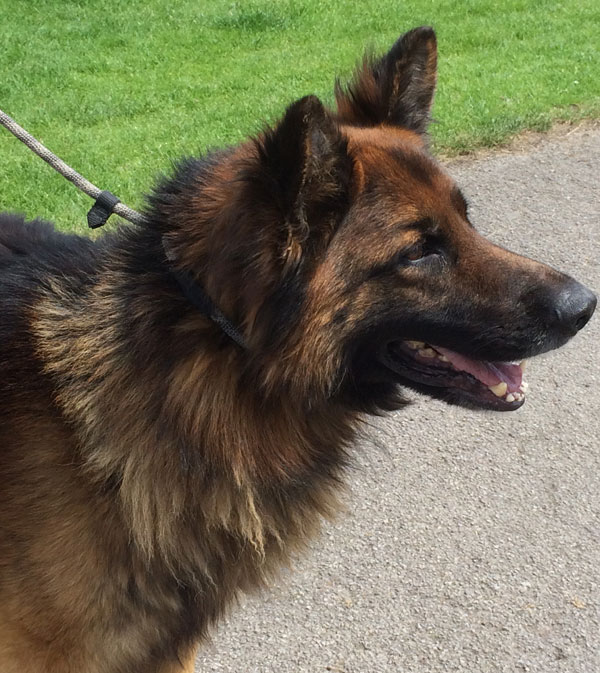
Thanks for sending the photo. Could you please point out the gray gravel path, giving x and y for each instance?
(471, 542)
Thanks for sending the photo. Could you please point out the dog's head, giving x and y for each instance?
(346, 253)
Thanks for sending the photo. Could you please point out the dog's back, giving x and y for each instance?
(32, 254)
(22, 242)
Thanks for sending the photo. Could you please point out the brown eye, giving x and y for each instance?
(423, 252)
(415, 253)
(420, 254)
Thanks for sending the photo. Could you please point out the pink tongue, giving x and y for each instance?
(489, 373)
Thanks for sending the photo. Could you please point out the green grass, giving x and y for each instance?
(119, 89)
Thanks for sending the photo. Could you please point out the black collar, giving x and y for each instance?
(198, 297)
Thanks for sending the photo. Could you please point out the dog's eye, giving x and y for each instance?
(419, 253)
(415, 253)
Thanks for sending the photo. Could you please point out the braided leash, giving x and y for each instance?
(106, 203)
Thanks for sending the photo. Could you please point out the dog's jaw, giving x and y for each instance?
(499, 386)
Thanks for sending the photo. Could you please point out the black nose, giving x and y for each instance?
(573, 306)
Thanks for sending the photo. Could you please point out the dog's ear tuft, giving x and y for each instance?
(396, 89)
(309, 170)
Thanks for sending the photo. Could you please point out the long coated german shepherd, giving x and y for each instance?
(177, 399)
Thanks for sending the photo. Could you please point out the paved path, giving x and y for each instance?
(472, 540)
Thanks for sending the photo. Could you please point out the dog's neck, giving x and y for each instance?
(198, 297)
(156, 387)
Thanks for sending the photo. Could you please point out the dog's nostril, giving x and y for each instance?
(583, 319)
(574, 306)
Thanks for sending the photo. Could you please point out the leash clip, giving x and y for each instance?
(102, 209)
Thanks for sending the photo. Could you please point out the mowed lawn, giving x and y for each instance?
(120, 89)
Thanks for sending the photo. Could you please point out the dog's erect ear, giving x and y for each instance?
(396, 89)
(309, 171)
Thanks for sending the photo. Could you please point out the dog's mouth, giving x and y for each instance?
(444, 373)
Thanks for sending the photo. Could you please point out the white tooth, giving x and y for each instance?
(427, 353)
(510, 397)
(524, 387)
(523, 365)
(415, 344)
(499, 389)
(443, 358)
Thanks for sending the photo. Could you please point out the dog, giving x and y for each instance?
(178, 400)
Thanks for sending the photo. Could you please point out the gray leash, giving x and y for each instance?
(106, 203)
